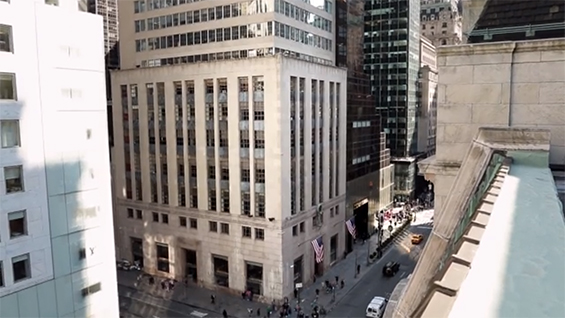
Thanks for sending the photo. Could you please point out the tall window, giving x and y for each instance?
(162, 257)
(6, 38)
(10, 133)
(8, 86)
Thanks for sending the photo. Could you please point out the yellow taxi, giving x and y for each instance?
(417, 239)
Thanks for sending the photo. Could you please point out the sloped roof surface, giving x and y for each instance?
(510, 13)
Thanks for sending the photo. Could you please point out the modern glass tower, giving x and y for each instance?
(391, 48)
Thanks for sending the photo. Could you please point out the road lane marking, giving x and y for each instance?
(404, 247)
(402, 275)
(144, 302)
(198, 314)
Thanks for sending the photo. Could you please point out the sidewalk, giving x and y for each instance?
(199, 297)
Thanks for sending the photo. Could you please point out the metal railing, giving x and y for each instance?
(490, 173)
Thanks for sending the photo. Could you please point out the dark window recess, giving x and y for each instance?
(163, 258)
(82, 253)
(91, 289)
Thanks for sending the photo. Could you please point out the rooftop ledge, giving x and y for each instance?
(503, 47)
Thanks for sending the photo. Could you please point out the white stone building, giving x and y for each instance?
(229, 155)
(56, 257)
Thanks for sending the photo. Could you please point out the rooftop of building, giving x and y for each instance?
(515, 20)
(517, 270)
(512, 13)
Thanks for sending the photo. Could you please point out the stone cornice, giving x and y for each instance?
(502, 47)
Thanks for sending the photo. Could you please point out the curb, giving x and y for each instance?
(394, 235)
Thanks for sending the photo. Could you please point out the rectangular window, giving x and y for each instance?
(211, 172)
(17, 224)
(10, 133)
(260, 205)
(213, 226)
(182, 221)
(260, 234)
(212, 200)
(21, 267)
(246, 203)
(194, 224)
(6, 38)
(162, 257)
(130, 213)
(226, 201)
(91, 289)
(8, 86)
(245, 175)
(244, 139)
(155, 217)
(164, 218)
(259, 139)
(259, 175)
(225, 228)
(246, 231)
(139, 214)
(14, 179)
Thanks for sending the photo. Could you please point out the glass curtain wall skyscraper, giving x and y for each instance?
(391, 48)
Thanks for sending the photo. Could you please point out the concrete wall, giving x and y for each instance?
(509, 84)
(58, 60)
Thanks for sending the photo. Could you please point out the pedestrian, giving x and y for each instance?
(317, 292)
(213, 299)
(358, 269)
(342, 284)
(225, 314)
(295, 293)
(336, 280)
(258, 312)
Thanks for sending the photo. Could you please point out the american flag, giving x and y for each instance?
(318, 245)
(351, 227)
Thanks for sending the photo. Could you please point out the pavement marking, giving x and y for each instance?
(404, 247)
(156, 305)
(402, 275)
(198, 314)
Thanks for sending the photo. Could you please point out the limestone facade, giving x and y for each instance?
(198, 197)
(508, 84)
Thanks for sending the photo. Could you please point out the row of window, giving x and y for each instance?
(303, 15)
(192, 223)
(21, 269)
(140, 6)
(189, 59)
(194, 16)
(233, 33)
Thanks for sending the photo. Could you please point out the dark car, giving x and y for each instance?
(390, 269)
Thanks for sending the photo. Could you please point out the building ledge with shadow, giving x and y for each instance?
(493, 245)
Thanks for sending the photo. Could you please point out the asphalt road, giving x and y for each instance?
(353, 305)
(142, 305)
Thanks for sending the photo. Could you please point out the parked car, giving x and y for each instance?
(390, 269)
(376, 307)
(417, 239)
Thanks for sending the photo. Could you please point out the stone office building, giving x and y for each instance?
(229, 158)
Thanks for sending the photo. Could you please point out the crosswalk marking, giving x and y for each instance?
(198, 314)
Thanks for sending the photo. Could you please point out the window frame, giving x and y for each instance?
(21, 177)
(9, 47)
(4, 76)
(17, 142)
(25, 258)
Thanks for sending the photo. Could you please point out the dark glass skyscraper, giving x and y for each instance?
(391, 48)
(363, 124)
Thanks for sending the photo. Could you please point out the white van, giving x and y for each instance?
(376, 307)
